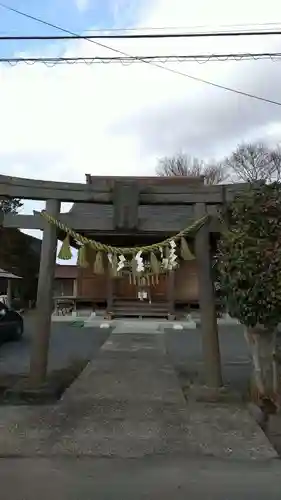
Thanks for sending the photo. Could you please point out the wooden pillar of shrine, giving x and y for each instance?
(44, 302)
(9, 292)
(171, 292)
(109, 290)
(210, 340)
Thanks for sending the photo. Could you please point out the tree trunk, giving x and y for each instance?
(262, 344)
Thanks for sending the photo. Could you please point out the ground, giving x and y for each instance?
(151, 477)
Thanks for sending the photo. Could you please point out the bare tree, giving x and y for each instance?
(276, 163)
(184, 165)
(215, 173)
(255, 161)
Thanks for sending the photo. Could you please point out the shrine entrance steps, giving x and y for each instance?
(139, 308)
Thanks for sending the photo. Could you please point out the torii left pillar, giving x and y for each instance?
(44, 303)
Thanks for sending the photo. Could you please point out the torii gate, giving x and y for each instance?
(125, 194)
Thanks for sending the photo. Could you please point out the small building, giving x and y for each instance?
(7, 290)
(128, 221)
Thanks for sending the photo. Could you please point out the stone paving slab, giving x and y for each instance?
(140, 326)
(117, 428)
(228, 431)
(128, 380)
(127, 377)
(134, 342)
(122, 363)
(142, 354)
(96, 428)
(22, 430)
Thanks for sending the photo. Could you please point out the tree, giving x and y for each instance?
(10, 205)
(255, 162)
(184, 165)
(249, 266)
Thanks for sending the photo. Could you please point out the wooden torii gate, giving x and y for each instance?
(125, 194)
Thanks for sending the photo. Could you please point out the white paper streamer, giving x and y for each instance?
(121, 263)
(139, 260)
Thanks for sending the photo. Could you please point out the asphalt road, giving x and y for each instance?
(152, 478)
(185, 350)
(69, 343)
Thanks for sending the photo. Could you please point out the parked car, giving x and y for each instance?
(11, 324)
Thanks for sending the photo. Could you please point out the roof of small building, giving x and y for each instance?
(7, 275)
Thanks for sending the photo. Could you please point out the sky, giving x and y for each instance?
(62, 122)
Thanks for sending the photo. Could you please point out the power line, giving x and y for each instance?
(156, 65)
(246, 27)
(200, 58)
(206, 34)
(183, 28)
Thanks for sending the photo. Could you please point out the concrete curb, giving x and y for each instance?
(190, 322)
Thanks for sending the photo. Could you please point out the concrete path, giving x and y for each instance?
(128, 403)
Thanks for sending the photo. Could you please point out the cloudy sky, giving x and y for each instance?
(60, 123)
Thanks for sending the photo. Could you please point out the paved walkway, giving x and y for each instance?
(127, 404)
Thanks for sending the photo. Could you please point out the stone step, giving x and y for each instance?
(138, 308)
(124, 313)
(139, 304)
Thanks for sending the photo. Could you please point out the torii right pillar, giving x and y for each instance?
(209, 328)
